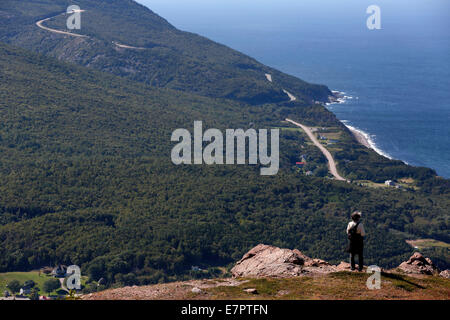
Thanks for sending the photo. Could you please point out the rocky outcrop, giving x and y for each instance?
(265, 261)
(445, 274)
(343, 266)
(269, 261)
(418, 264)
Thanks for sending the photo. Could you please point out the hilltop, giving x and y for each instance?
(316, 279)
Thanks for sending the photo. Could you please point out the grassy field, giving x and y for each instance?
(428, 243)
(338, 286)
(334, 286)
(371, 184)
(5, 278)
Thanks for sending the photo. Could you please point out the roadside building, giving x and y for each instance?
(300, 164)
(389, 183)
(25, 291)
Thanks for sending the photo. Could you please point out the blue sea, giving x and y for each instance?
(396, 79)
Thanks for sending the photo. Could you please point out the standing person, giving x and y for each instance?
(356, 233)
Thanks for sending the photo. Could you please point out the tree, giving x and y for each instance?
(34, 294)
(51, 285)
(29, 284)
(14, 286)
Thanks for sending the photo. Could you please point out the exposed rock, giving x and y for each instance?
(418, 264)
(251, 290)
(269, 261)
(445, 274)
(343, 266)
(282, 293)
(196, 290)
(316, 263)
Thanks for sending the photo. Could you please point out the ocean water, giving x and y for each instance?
(396, 79)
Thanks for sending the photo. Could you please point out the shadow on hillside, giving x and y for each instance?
(401, 282)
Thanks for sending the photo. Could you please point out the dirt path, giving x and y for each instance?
(327, 154)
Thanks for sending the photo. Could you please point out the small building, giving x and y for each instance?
(25, 291)
(300, 164)
(389, 183)
(196, 268)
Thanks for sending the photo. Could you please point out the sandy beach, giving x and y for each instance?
(360, 137)
(364, 139)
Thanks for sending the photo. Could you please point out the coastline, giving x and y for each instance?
(361, 136)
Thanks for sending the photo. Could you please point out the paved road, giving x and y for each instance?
(40, 25)
(327, 154)
(290, 95)
(40, 22)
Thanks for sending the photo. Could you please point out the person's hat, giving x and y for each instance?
(356, 213)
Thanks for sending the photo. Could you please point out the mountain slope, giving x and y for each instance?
(87, 179)
(171, 58)
(85, 155)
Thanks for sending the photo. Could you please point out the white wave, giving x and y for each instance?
(369, 139)
(341, 97)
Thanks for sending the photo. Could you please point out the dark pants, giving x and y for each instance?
(360, 259)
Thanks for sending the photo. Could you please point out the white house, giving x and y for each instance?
(390, 183)
(25, 291)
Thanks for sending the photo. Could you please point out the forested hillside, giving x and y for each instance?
(85, 147)
(170, 58)
(87, 179)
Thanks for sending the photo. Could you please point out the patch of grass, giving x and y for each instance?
(399, 281)
(340, 285)
(428, 243)
(346, 275)
(39, 279)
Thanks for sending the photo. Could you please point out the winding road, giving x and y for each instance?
(40, 25)
(40, 22)
(326, 153)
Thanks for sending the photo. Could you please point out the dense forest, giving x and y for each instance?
(85, 163)
(87, 179)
